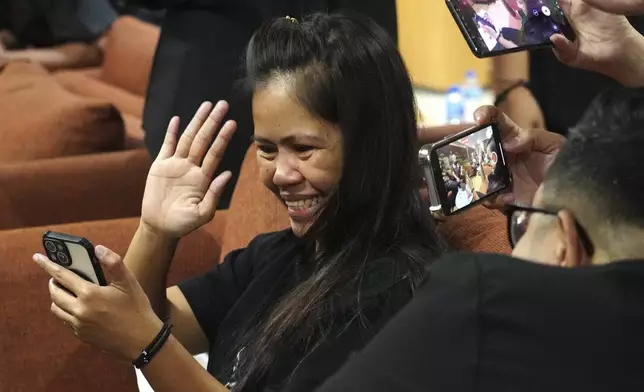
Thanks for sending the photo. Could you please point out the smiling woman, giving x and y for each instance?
(300, 155)
(335, 130)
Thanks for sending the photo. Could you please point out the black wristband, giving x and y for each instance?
(153, 348)
(504, 94)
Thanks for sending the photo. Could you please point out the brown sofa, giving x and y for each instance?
(72, 141)
(39, 354)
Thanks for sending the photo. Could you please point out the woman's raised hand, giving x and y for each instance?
(180, 193)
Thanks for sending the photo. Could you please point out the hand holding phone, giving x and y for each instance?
(465, 169)
(497, 27)
(528, 153)
(75, 254)
(117, 318)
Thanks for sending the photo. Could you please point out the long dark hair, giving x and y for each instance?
(346, 70)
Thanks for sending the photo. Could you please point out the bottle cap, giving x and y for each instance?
(454, 89)
(470, 74)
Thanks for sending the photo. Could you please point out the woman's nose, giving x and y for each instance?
(286, 172)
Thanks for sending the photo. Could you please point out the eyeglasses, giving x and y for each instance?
(519, 219)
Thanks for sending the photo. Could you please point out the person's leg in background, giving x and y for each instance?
(199, 58)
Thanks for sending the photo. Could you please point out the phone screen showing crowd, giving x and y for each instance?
(472, 168)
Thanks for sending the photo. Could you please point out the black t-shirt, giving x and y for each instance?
(563, 92)
(492, 323)
(227, 299)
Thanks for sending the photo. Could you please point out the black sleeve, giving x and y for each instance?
(213, 294)
(431, 345)
(81, 20)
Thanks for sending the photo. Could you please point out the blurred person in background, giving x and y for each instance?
(58, 34)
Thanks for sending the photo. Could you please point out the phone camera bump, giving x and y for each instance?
(63, 259)
(50, 246)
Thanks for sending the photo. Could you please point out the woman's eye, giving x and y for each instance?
(302, 148)
(265, 149)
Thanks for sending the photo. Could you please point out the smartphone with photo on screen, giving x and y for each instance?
(465, 169)
(496, 27)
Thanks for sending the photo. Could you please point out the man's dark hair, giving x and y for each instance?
(599, 169)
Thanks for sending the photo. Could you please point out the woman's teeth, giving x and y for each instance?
(303, 204)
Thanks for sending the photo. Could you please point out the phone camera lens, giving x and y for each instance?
(50, 246)
(62, 258)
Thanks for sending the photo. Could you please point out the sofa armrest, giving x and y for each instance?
(72, 189)
(45, 356)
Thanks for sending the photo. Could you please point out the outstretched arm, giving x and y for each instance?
(74, 55)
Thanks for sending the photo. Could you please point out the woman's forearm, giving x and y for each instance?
(75, 55)
(149, 257)
(173, 369)
(508, 69)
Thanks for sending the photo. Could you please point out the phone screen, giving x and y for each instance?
(471, 169)
(497, 26)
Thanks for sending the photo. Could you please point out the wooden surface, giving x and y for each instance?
(433, 47)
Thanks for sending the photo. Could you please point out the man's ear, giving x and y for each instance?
(570, 253)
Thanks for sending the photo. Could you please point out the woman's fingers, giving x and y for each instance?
(216, 151)
(208, 205)
(64, 316)
(185, 142)
(63, 276)
(204, 136)
(170, 141)
(512, 135)
(61, 297)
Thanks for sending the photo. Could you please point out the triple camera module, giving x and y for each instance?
(58, 252)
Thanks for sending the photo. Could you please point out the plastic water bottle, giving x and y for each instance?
(472, 96)
(454, 105)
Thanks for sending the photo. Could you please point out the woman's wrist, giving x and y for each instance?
(154, 235)
(143, 336)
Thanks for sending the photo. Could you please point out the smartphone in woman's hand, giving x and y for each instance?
(74, 253)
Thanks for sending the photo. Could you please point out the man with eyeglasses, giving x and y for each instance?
(566, 311)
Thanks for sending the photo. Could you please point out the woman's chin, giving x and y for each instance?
(300, 227)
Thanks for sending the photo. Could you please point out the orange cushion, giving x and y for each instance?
(129, 52)
(86, 85)
(40, 119)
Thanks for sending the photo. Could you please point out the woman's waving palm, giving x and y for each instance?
(180, 193)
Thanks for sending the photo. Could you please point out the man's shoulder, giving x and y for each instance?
(495, 276)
